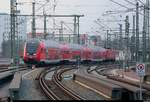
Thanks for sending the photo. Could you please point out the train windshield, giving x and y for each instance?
(31, 47)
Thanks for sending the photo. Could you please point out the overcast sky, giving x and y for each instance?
(91, 9)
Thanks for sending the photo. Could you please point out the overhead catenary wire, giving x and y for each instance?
(128, 8)
(102, 24)
(130, 2)
(119, 4)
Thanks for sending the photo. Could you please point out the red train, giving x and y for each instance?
(48, 51)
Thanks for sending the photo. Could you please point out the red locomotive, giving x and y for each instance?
(48, 51)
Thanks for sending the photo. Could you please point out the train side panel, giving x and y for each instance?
(75, 54)
(52, 52)
(87, 54)
(65, 52)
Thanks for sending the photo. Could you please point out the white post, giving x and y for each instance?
(123, 70)
(141, 88)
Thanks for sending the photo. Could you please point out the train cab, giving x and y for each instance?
(31, 51)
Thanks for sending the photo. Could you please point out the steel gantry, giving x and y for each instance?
(133, 42)
(76, 24)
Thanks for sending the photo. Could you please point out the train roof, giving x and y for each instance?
(55, 44)
(51, 43)
(97, 48)
(75, 46)
(64, 46)
(33, 40)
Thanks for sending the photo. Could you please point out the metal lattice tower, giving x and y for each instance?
(33, 21)
(120, 37)
(78, 30)
(137, 31)
(133, 43)
(75, 29)
(144, 36)
(45, 26)
(127, 32)
(148, 30)
(13, 24)
(108, 42)
(127, 25)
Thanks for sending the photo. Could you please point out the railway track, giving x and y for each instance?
(106, 71)
(5, 68)
(99, 85)
(54, 89)
(102, 69)
(136, 84)
(6, 76)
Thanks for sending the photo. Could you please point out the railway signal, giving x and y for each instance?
(140, 69)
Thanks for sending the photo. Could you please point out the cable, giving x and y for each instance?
(128, 8)
(120, 11)
(41, 7)
(119, 4)
(141, 2)
(68, 27)
(102, 24)
(130, 2)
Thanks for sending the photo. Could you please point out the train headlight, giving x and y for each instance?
(34, 54)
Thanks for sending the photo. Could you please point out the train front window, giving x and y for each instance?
(32, 47)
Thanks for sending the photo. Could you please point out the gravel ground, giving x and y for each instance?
(84, 92)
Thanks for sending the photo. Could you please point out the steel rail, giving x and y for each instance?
(57, 78)
(45, 88)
